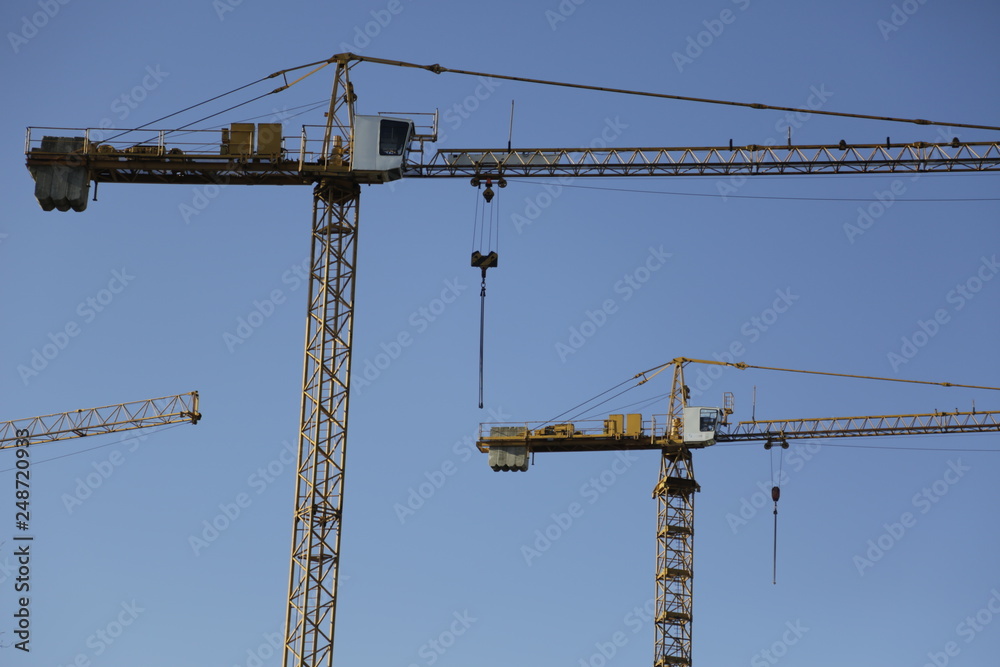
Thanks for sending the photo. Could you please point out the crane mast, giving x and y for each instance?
(319, 486)
(64, 166)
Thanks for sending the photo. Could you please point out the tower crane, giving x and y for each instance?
(685, 428)
(176, 409)
(335, 159)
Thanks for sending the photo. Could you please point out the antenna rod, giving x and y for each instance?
(510, 132)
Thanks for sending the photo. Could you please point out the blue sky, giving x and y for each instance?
(451, 568)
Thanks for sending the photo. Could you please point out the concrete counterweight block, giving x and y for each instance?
(64, 185)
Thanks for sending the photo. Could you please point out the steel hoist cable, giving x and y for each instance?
(485, 257)
(781, 445)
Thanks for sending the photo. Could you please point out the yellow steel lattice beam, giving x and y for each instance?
(177, 409)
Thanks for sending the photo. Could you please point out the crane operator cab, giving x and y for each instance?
(381, 145)
(699, 425)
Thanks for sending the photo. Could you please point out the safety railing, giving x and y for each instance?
(655, 426)
(219, 144)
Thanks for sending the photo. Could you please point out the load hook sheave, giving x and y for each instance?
(488, 192)
(484, 262)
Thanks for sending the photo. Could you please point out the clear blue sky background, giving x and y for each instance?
(407, 576)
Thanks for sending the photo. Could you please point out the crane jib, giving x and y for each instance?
(64, 164)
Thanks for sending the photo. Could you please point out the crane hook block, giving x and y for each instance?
(775, 493)
(484, 262)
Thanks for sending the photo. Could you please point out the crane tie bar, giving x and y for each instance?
(439, 69)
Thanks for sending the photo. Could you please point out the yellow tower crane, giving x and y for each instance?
(350, 150)
(682, 429)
